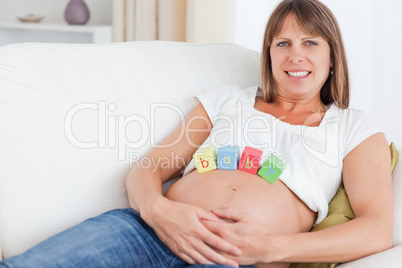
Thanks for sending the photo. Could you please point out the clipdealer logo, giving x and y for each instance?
(113, 130)
(112, 127)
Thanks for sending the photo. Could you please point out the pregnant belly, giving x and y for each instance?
(274, 205)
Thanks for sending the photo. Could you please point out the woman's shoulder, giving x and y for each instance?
(250, 93)
(224, 99)
(231, 90)
(355, 126)
(232, 94)
(353, 116)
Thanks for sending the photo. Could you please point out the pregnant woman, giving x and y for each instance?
(231, 217)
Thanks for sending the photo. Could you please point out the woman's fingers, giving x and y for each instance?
(193, 250)
(206, 215)
(211, 256)
(213, 227)
(183, 232)
(219, 243)
(229, 213)
(215, 241)
(186, 258)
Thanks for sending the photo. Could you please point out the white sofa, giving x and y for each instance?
(73, 118)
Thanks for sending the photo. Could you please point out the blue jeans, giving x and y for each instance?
(117, 238)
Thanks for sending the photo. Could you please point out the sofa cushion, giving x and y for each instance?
(73, 118)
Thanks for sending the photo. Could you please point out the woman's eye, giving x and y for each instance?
(311, 43)
(283, 44)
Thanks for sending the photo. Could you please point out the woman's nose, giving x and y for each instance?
(296, 55)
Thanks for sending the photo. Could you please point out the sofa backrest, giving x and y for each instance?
(74, 117)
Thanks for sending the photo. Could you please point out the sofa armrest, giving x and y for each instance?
(388, 258)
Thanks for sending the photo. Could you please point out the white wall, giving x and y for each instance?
(251, 18)
(53, 10)
(372, 32)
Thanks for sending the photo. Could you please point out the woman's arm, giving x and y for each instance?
(177, 225)
(367, 179)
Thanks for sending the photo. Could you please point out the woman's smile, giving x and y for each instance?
(298, 75)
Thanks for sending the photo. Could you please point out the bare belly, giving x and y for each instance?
(274, 205)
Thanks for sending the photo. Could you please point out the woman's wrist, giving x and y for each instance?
(152, 207)
(277, 247)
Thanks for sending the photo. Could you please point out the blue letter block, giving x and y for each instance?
(228, 157)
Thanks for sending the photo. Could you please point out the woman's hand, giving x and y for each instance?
(179, 227)
(244, 231)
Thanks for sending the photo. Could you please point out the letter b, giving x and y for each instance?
(202, 163)
(205, 159)
(248, 164)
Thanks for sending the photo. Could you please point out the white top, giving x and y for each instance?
(313, 155)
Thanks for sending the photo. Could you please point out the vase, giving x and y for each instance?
(76, 12)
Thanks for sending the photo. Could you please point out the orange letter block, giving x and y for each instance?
(205, 159)
(250, 160)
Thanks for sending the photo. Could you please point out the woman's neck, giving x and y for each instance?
(302, 106)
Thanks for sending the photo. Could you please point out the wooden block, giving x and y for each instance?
(250, 160)
(228, 157)
(272, 169)
(205, 159)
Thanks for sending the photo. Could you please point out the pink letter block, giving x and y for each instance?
(250, 160)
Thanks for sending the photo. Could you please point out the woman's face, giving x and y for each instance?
(300, 62)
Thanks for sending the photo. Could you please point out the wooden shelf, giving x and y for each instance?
(17, 32)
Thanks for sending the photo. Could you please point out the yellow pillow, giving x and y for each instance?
(394, 156)
(340, 211)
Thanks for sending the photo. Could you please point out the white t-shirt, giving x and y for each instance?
(313, 155)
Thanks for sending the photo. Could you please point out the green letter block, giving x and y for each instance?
(272, 169)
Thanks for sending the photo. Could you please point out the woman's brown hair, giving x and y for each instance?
(314, 18)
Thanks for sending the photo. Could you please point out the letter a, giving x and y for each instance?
(226, 160)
